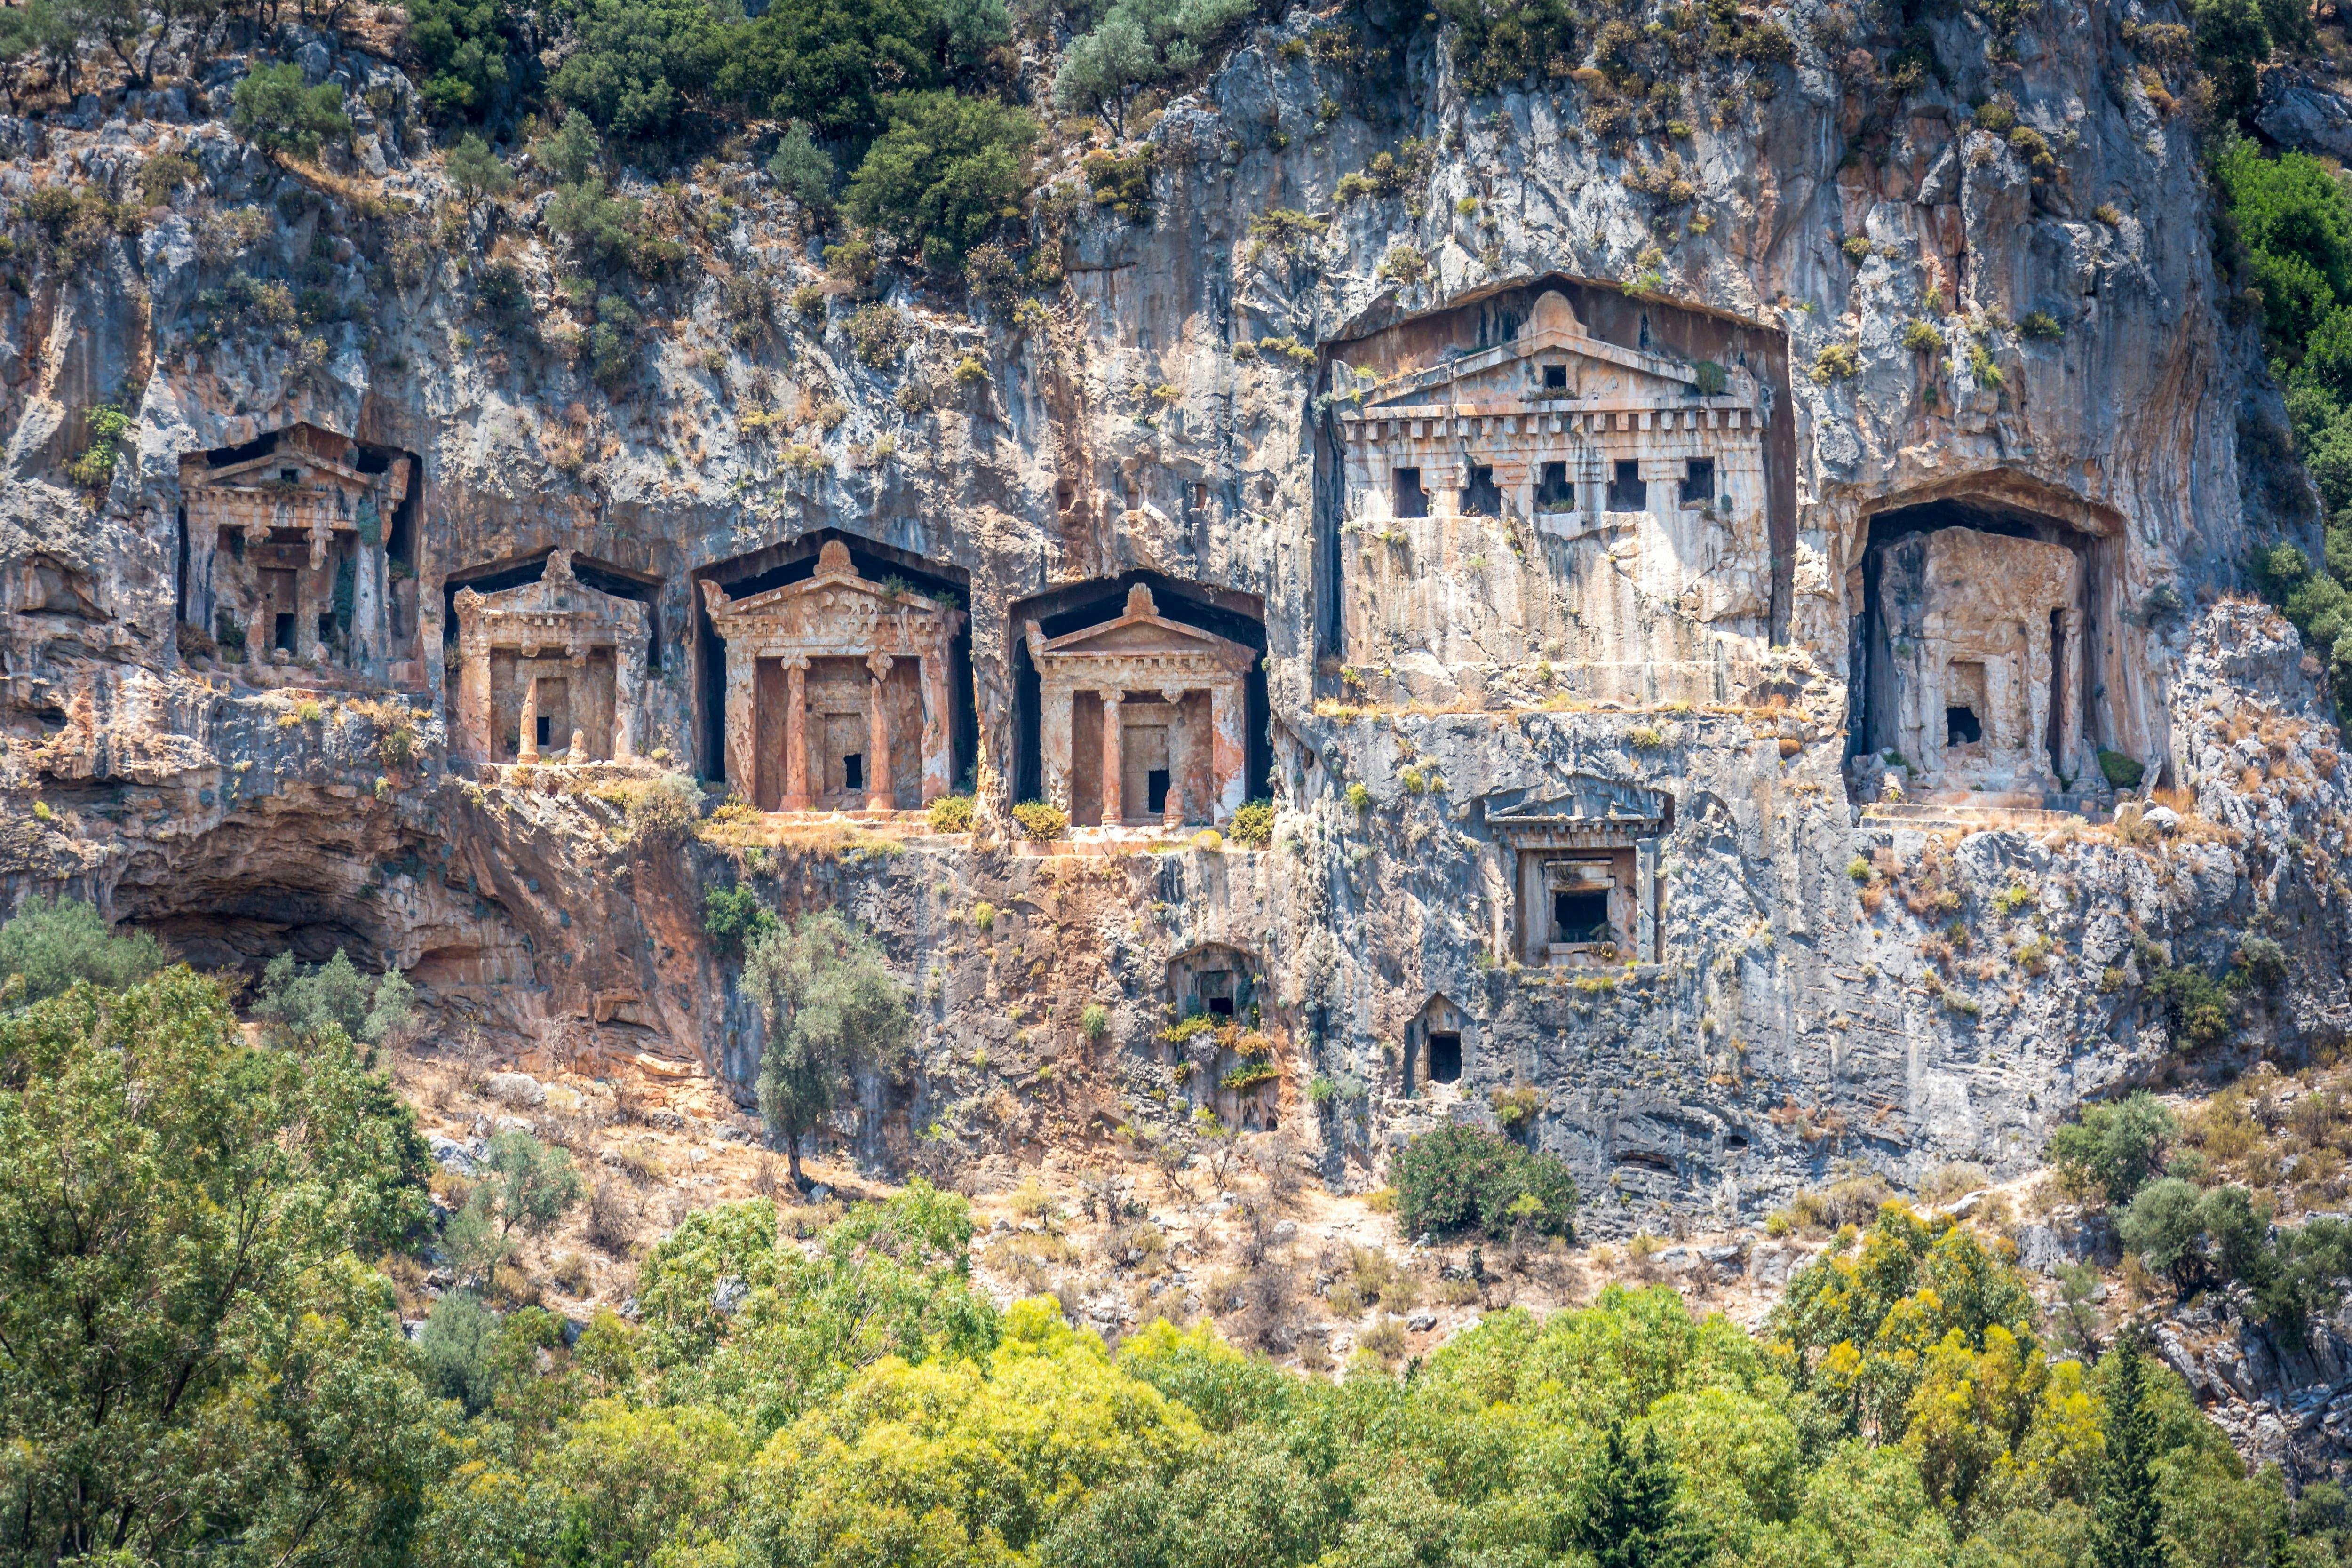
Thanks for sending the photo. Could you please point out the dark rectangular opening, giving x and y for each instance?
(1553, 493)
(538, 730)
(1155, 791)
(1412, 501)
(1445, 1058)
(1480, 497)
(1961, 728)
(281, 631)
(1555, 378)
(236, 538)
(1222, 1007)
(180, 572)
(2058, 697)
(1626, 491)
(853, 771)
(1698, 482)
(290, 476)
(1580, 917)
(327, 627)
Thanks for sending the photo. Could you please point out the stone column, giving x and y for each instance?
(527, 742)
(1054, 701)
(473, 681)
(796, 785)
(1228, 749)
(628, 688)
(742, 732)
(1172, 815)
(1113, 809)
(877, 728)
(939, 734)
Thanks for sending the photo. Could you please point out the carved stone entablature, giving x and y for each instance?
(311, 483)
(563, 661)
(1170, 698)
(1560, 427)
(804, 727)
(1584, 864)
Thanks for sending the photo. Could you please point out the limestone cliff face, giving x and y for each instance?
(1925, 322)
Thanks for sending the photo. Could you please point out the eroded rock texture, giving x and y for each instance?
(1604, 521)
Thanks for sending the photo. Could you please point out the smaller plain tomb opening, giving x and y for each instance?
(1433, 1052)
(1974, 652)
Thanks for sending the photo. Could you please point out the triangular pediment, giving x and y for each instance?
(313, 468)
(836, 585)
(1142, 631)
(1584, 371)
(557, 594)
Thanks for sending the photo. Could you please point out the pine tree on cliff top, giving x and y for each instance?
(2130, 1532)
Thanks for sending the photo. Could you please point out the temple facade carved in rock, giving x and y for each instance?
(1545, 497)
(549, 672)
(1141, 719)
(286, 556)
(836, 691)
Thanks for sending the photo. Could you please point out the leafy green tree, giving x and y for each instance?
(35, 29)
(191, 1363)
(277, 113)
(2130, 1531)
(946, 171)
(455, 1350)
(477, 171)
(600, 226)
(637, 63)
(1629, 1516)
(832, 1009)
(2115, 1147)
(828, 62)
(531, 1185)
(305, 1002)
(1461, 1178)
(572, 153)
(1138, 43)
(52, 945)
(463, 46)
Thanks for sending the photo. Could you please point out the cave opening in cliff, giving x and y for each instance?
(1165, 752)
(1978, 651)
(1433, 1043)
(840, 768)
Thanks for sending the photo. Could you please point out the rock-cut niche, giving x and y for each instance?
(300, 548)
(834, 673)
(1435, 1044)
(1141, 701)
(1979, 652)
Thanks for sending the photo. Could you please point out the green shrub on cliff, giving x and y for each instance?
(832, 1009)
(1464, 1178)
(277, 113)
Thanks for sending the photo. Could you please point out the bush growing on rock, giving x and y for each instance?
(1041, 821)
(734, 919)
(53, 945)
(945, 173)
(281, 114)
(1461, 1178)
(1253, 825)
(951, 813)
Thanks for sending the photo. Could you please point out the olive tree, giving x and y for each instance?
(833, 1010)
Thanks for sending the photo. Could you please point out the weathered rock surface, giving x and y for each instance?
(1809, 984)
